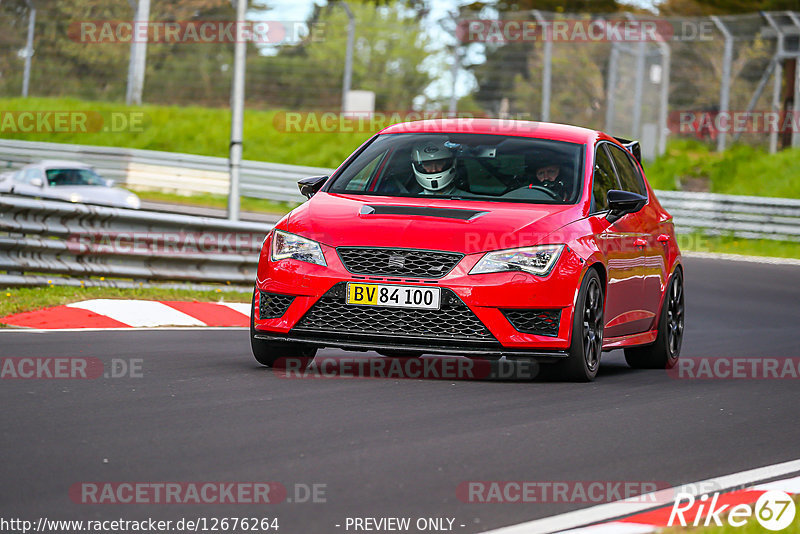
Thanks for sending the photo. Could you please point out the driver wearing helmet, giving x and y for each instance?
(434, 167)
(549, 178)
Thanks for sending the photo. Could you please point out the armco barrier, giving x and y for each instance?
(62, 243)
(742, 216)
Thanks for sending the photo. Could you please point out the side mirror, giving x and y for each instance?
(36, 182)
(310, 186)
(623, 202)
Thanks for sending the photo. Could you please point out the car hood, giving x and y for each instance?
(427, 223)
(113, 196)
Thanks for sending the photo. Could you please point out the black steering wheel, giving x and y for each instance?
(552, 194)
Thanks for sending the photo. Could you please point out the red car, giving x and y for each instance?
(480, 238)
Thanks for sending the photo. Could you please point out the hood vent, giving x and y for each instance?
(444, 213)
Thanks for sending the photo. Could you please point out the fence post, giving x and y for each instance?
(131, 60)
(611, 86)
(453, 106)
(26, 80)
(138, 62)
(666, 63)
(237, 111)
(725, 85)
(776, 86)
(348, 58)
(638, 88)
(547, 67)
(796, 103)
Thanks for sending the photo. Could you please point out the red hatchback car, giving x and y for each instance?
(478, 238)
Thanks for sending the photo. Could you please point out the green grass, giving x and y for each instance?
(194, 130)
(741, 170)
(219, 201)
(18, 300)
(697, 242)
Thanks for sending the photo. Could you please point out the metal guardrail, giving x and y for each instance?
(60, 243)
(167, 171)
(741, 216)
(44, 242)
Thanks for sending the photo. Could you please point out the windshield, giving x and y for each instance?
(466, 166)
(57, 177)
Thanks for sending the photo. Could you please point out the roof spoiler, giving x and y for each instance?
(633, 147)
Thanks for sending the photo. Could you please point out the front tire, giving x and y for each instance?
(664, 353)
(278, 353)
(587, 332)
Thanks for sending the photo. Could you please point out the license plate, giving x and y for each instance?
(393, 296)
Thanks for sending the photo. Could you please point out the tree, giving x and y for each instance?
(390, 47)
(66, 65)
(510, 75)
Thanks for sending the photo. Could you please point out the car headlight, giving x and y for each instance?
(74, 197)
(133, 202)
(286, 245)
(537, 260)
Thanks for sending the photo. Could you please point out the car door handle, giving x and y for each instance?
(640, 242)
(663, 238)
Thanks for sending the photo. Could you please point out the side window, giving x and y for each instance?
(360, 180)
(27, 175)
(629, 176)
(603, 178)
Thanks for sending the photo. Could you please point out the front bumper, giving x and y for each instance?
(488, 298)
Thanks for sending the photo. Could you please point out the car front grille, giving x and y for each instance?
(538, 322)
(409, 263)
(273, 305)
(452, 324)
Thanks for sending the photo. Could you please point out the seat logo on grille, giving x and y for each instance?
(397, 261)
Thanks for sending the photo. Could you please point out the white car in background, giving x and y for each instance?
(67, 180)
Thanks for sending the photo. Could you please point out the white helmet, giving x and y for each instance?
(433, 165)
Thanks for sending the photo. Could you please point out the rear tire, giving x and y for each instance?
(587, 332)
(278, 353)
(665, 351)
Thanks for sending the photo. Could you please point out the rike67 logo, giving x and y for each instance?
(774, 510)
